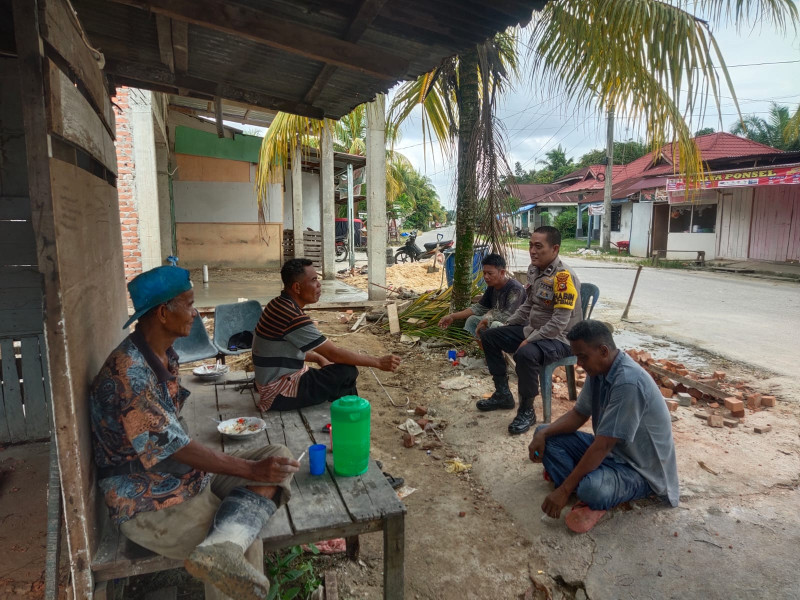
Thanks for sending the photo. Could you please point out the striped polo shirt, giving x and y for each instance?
(282, 337)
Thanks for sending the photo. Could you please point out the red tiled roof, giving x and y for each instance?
(713, 147)
(528, 191)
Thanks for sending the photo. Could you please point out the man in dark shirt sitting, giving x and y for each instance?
(503, 296)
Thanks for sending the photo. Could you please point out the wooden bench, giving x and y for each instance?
(662, 254)
(322, 507)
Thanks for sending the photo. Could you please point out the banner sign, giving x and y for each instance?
(751, 178)
(359, 179)
(597, 209)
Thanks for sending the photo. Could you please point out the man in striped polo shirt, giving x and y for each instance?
(286, 338)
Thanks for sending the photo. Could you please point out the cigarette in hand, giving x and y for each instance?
(299, 458)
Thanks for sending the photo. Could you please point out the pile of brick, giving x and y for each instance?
(725, 401)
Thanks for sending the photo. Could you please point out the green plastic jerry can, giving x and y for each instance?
(350, 427)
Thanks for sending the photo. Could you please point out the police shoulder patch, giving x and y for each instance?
(565, 293)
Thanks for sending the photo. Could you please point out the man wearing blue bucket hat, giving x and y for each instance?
(156, 481)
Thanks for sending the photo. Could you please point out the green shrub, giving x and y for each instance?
(291, 576)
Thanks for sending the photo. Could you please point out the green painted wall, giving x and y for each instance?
(203, 143)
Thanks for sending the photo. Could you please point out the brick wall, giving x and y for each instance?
(128, 215)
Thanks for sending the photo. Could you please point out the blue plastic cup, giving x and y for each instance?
(451, 355)
(316, 458)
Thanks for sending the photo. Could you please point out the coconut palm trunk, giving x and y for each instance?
(466, 191)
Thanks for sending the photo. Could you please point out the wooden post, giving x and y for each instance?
(297, 199)
(376, 197)
(633, 290)
(393, 557)
(326, 197)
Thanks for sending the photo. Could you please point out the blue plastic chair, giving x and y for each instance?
(197, 346)
(230, 319)
(590, 293)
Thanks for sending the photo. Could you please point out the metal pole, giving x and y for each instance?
(605, 234)
(635, 281)
(350, 225)
(590, 232)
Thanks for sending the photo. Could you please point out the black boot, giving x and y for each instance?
(501, 398)
(526, 417)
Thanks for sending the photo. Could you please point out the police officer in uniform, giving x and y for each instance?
(536, 332)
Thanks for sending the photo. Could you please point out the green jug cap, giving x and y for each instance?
(352, 402)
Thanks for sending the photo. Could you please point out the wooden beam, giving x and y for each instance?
(193, 112)
(159, 78)
(218, 117)
(265, 28)
(363, 18)
(164, 31)
(180, 45)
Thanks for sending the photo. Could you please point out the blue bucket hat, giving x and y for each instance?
(155, 287)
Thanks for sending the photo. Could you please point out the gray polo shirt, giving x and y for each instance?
(626, 404)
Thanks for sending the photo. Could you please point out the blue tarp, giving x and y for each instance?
(522, 209)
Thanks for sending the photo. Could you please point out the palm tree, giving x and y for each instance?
(348, 135)
(775, 131)
(638, 56)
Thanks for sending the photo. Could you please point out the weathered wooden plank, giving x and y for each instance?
(14, 323)
(37, 418)
(19, 297)
(17, 243)
(200, 412)
(317, 503)
(164, 31)
(12, 392)
(73, 118)
(323, 533)
(60, 29)
(15, 207)
(689, 382)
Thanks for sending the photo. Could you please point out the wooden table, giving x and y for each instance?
(322, 507)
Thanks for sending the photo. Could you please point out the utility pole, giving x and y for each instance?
(605, 234)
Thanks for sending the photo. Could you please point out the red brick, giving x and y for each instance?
(739, 414)
(753, 401)
(734, 404)
(681, 371)
(695, 393)
(421, 411)
(672, 405)
(719, 375)
(768, 401)
(423, 422)
(713, 405)
(715, 421)
(408, 440)
(666, 392)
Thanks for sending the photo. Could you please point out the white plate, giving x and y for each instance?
(210, 371)
(241, 427)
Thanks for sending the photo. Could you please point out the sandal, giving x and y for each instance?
(582, 518)
(395, 482)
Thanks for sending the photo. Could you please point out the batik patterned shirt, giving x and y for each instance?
(134, 403)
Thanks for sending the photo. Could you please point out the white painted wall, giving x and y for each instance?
(311, 206)
(214, 202)
(624, 233)
(691, 241)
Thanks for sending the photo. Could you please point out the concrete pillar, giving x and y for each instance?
(146, 181)
(297, 200)
(376, 196)
(326, 200)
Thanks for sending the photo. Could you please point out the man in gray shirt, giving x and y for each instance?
(631, 455)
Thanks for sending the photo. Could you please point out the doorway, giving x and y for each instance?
(660, 226)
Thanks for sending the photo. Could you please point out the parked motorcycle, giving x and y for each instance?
(341, 249)
(412, 252)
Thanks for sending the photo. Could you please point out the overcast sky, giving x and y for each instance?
(536, 122)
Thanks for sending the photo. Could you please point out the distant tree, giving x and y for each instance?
(557, 163)
(704, 131)
(624, 153)
(778, 130)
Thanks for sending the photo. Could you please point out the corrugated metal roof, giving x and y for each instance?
(402, 40)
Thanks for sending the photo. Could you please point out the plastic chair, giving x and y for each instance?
(589, 296)
(230, 319)
(197, 345)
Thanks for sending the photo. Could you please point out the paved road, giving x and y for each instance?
(746, 319)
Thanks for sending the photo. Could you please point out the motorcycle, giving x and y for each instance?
(341, 249)
(412, 252)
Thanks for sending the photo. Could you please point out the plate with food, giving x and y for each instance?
(241, 427)
(210, 371)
